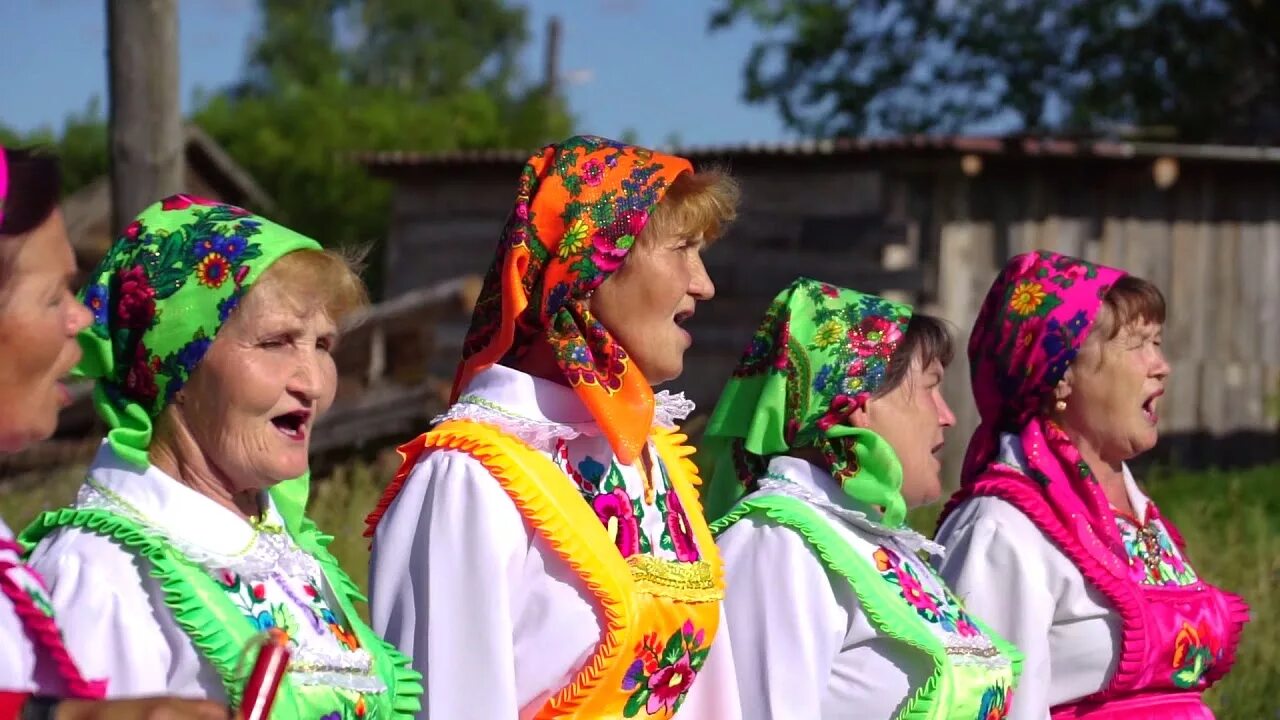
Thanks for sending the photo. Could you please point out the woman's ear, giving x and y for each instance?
(861, 417)
(1062, 390)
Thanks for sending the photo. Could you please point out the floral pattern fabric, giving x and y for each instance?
(1153, 557)
(996, 703)
(819, 354)
(624, 508)
(929, 597)
(579, 209)
(158, 299)
(662, 673)
(285, 605)
(1196, 648)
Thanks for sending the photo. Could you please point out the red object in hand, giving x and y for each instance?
(11, 702)
(264, 679)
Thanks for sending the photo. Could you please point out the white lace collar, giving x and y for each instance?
(201, 529)
(539, 411)
(805, 481)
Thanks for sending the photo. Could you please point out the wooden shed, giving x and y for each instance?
(931, 220)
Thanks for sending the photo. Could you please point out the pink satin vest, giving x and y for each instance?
(1175, 640)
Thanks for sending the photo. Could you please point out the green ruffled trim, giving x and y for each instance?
(886, 611)
(218, 634)
(405, 686)
(216, 628)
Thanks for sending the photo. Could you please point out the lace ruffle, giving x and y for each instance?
(908, 538)
(270, 553)
(543, 434)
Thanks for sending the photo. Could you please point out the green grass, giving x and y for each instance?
(1231, 522)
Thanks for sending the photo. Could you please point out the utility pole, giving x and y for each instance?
(147, 158)
(551, 63)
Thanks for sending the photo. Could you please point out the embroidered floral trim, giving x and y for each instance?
(1196, 649)
(1153, 558)
(683, 581)
(936, 605)
(660, 677)
(996, 702)
(910, 539)
(622, 508)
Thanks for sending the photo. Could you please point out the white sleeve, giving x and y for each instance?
(17, 656)
(784, 621)
(443, 578)
(995, 566)
(105, 613)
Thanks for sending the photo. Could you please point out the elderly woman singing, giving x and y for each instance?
(211, 345)
(1051, 540)
(542, 552)
(826, 433)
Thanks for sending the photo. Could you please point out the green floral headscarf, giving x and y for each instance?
(159, 297)
(820, 353)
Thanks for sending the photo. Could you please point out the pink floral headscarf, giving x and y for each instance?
(1034, 320)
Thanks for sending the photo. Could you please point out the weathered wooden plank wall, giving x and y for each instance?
(922, 230)
(1211, 242)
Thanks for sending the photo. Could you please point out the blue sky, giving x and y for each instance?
(671, 77)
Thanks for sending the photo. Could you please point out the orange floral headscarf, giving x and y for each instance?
(580, 208)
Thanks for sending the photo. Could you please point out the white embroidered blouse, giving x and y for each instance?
(113, 613)
(804, 648)
(493, 618)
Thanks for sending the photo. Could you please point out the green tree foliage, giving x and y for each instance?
(1196, 70)
(328, 79)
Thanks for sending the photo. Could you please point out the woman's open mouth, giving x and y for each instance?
(1150, 409)
(292, 425)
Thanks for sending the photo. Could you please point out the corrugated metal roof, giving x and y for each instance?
(1012, 146)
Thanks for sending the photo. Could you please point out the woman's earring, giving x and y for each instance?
(1060, 406)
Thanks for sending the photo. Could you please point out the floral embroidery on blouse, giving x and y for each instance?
(340, 631)
(357, 710)
(622, 512)
(1195, 651)
(943, 610)
(661, 675)
(251, 599)
(996, 702)
(1153, 558)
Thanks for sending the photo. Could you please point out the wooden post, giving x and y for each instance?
(145, 116)
(966, 248)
